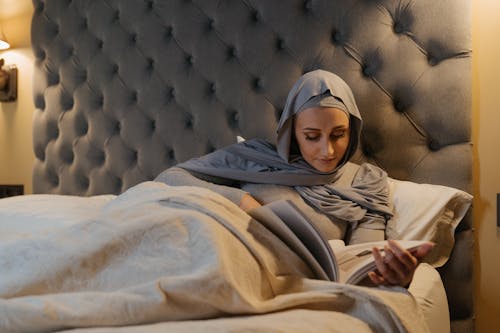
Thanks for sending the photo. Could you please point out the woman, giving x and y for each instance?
(318, 133)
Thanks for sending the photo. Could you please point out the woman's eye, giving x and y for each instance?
(312, 138)
(338, 135)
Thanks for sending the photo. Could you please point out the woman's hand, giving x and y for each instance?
(248, 203)
(398, 265)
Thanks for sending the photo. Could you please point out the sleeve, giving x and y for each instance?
(176, 176)
(364, 235)
(370, 228)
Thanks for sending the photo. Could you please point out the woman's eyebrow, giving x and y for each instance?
(317, 129)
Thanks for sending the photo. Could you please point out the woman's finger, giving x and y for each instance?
(400, 269)
(405, 257)
(388, 274)
(376, 279)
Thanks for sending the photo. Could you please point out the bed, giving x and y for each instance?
(125, 89)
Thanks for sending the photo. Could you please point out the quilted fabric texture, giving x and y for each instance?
(125, 89)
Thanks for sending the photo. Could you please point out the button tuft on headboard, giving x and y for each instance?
(231, 52)
(133, 37)
(67, 154)
(171, 92)
(433, 61)
(99, 157)
(255, 16)
(99, 101)
(40, 102)
(277, 114)
(188, 123)
(188, 59)
(52, 177)
(99, 43)
(399, 105)
(52, 78)
(403, 18)
(171, 154)
(39, 6)
(150, 64)
(39, 53)
(67, 102)
(81, 125)
(52, 130)
(257, 84)
(337, 37)
(233, 118)
(434, 145)
(114, 69)
(169, 32)
(133, 97)
(210, 148)
(117, 128)
(118, 185)
(210, 24)
(211, 88)
(280, 44)
(84, 183)
(308, 6)
(403, 98)
(40, 152)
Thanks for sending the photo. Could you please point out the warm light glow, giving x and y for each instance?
(4, 45)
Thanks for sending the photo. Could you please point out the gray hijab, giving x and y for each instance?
(258, 161)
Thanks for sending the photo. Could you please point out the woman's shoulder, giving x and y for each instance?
(352, 167)
(361, 172)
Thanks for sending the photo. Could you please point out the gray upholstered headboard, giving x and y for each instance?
(125, 89)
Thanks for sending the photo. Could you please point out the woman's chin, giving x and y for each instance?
(325, 168)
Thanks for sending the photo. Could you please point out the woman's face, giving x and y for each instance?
(323, 136)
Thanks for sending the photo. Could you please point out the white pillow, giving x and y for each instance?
(427, 212)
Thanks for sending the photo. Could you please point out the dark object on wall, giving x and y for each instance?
(8, 82)
(11, 190)
(498, 209)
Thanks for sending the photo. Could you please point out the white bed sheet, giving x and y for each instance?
(32, 215)
(37, 214)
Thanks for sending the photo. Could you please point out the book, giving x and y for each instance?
(329, 259)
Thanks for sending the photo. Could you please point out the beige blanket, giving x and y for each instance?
(163, 258)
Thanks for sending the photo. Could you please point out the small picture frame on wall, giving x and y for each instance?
(8, 82)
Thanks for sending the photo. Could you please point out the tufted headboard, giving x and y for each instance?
(125, 89)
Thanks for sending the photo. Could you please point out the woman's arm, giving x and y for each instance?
(176, 176)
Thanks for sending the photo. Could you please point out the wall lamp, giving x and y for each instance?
(8, 75)
(4, 45)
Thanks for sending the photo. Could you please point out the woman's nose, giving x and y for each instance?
(328, 149)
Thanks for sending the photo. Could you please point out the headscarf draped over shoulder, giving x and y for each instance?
(259, 161)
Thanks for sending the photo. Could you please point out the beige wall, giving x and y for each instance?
(16, 153)
(486, 138)
(16, 149)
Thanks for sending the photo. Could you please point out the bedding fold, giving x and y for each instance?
(161, 255)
